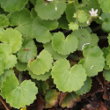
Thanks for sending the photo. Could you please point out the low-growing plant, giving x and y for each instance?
(50, 46)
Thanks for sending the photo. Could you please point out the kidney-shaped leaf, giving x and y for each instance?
(62, 45)
(68, 79)
(41, 64)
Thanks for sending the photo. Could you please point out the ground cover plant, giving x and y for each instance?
(54, 54)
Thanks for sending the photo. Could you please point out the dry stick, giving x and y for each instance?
(4, 104)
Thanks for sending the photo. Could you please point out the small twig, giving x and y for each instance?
(4, 104)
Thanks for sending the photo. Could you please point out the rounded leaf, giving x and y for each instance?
(50, 9)
(22, 95)
(62, 45)
(41, 64)
(68, 79)
(12, 37)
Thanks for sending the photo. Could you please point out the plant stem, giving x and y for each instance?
(4, 104)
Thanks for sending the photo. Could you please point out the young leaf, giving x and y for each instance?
(66, 78)
(41, 64)
(82, 16)
(50, 10)
(62, 45)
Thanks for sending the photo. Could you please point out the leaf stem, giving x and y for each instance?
(4, 104)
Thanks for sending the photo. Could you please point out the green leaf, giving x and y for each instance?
(54, 54)
(13, 5)
(27, 52)
(70, 10)
(106, 75)
(32, 27)
(62, 45)
(42, 77)
(106, 51)
(66, 78)
(22, 95)
(5, 49)
(10, 61)
(41, 64)
(4, 21)
(86, 87)
(20, 18)
(94, 60)
(17, 95)
(21, 66)
(63, 23)
(93, 65)
(82, 16)
(104, 5)
(94, 51)
(105, 17)
(50, 10)
(7, 60)
(73, 26)
(2, 65)
(108, 59)
(89, 4)
(8, 78)
(12, 37)
(85, 38)
(108, 39)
